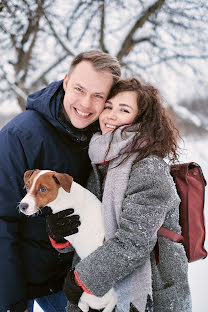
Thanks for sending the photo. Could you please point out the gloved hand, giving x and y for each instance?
(72, 291)
(62, 224)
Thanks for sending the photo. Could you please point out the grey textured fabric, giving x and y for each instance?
(136, 286)
(150, 201)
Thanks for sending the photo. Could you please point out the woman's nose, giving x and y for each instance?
(112, 115)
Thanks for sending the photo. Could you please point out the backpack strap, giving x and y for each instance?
(175, 237)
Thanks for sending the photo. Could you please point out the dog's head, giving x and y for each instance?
(42, 188)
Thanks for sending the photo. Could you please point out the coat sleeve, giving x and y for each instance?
(12, 167)
(150, 195)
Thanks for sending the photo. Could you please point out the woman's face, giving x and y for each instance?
(120, 110)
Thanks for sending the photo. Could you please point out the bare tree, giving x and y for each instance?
(39, 38)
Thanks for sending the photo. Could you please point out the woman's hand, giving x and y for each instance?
(62, 224)
(72, 291)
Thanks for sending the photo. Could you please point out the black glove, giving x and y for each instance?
(61, 224)
(72, 291)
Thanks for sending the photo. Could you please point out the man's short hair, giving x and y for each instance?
(101, 61)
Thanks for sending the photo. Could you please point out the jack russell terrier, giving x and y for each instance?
(59, 192)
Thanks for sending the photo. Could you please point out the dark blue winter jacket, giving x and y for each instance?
(38, 138)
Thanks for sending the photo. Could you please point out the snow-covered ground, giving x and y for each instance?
(195, 150)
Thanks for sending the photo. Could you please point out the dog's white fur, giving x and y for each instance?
(89, 237)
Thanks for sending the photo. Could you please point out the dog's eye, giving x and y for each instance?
(42, 189)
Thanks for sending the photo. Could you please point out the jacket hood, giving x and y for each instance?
(47, 102)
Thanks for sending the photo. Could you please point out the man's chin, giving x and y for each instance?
(81, 124)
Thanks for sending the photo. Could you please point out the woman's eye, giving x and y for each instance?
(107, 107)
(125, 110)
(42, 189)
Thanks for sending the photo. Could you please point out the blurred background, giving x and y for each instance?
(161, 41)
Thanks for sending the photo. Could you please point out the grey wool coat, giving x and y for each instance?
(150, 201)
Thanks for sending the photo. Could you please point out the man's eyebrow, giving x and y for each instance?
(101, 93)
(79, 85)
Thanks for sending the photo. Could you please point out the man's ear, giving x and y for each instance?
(65, 82)
(28, 174)
(65, 180)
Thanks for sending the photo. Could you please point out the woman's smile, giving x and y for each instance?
(119, 110)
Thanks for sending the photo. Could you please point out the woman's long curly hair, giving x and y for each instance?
(155, 132)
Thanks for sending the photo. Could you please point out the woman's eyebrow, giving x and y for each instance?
(109, 102)
(125, 105)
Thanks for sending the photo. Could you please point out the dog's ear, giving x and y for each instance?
(28, 174)
(65, 180)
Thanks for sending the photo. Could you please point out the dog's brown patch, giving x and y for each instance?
(46, 186)
(51, 188)
(29, 173)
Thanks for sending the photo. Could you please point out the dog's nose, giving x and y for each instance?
(23, 206)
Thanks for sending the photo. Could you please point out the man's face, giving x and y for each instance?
(86, 91)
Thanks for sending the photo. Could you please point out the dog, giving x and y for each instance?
(59, 192)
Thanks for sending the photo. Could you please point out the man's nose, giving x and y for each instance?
(86, 101)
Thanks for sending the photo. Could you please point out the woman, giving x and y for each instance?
(138, 196)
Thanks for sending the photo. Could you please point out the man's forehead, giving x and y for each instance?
(87, 77)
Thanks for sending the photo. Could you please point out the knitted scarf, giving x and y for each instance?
(135, 287)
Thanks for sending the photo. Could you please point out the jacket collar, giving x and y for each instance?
(81, 135)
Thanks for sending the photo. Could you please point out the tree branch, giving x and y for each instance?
(42, 76)
(128, 43)
(13, 86)
(57, 37)
(102, 26)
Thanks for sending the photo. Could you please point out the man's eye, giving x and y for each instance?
(78, 89)
(42, 189)
(98, 96)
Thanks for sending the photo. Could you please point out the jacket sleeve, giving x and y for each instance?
(12, 167)
(150, 195)
(61, 247)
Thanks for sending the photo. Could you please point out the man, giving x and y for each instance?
(53, 133)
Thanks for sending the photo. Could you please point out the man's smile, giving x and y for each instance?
(81, 114)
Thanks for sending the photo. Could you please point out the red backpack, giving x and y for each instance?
(190, 184)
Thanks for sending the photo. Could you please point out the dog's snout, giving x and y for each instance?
(23, 206)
